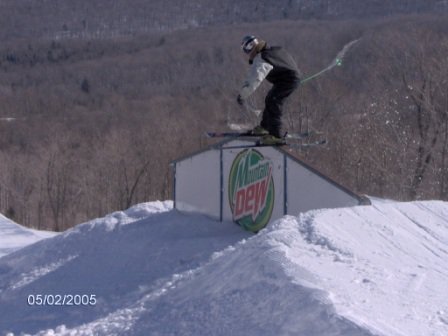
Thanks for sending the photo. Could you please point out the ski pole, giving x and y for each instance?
(336, 62)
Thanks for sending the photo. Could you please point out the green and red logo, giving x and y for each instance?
(251, 190)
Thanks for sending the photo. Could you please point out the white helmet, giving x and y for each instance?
(248, 43)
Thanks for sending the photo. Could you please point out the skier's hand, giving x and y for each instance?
(240, 100)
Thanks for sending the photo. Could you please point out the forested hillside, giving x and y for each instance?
(59, 19)
(89, 125)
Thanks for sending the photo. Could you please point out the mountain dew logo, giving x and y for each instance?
(251, 190)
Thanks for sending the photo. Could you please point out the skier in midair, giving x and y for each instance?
(278, 67)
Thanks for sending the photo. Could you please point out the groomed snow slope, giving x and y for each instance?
(371, 270)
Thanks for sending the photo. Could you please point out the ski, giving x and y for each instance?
(248, 134)
(285, 144)
(228, 134)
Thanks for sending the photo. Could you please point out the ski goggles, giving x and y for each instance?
(247, 46)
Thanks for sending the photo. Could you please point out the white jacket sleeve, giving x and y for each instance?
(257, 73)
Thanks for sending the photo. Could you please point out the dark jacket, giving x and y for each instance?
(284, 70)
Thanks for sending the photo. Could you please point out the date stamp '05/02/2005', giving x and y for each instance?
(61, 300)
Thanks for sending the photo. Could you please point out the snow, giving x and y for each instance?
(151, 270)
(14, 236)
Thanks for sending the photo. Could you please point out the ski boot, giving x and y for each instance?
(272, 140)
(259, 131)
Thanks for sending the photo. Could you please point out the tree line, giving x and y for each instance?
(93, 19)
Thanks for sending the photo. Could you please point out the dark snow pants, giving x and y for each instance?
(272, 114)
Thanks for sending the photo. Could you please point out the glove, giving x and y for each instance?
(240, 100)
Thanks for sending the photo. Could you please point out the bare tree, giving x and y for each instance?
(428, 97)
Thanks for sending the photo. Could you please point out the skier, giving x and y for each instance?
(279, 68)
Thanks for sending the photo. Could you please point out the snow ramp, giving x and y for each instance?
(369, 270)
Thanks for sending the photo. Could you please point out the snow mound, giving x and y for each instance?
(13, 236)
(370, 270)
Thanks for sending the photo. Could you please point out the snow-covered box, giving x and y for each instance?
(253, 186)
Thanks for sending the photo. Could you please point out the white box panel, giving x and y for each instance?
(307, 190)
(198, 184)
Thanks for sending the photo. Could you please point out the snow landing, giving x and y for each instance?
(13, 236)
(369, 270)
